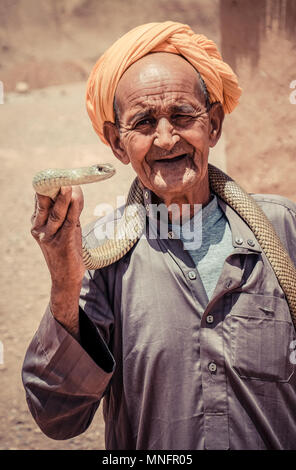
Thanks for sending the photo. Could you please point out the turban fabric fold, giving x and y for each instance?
(176, 38)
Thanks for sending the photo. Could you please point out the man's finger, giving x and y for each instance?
(41, 210)
(75, 207)
(58, 211)
(35, 209)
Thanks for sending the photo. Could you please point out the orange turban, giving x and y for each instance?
(176, 38)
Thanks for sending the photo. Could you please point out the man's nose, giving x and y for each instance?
(165, 137)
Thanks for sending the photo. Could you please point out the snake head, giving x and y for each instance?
(105, 170)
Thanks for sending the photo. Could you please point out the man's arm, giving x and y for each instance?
(68, 365)
(63, 383)
(56, 228)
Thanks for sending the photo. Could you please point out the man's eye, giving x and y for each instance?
(181, 116)
(145, 122)
(183, 120)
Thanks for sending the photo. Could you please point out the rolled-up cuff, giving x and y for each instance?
(90, 359)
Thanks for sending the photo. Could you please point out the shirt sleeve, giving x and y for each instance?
(64, 379)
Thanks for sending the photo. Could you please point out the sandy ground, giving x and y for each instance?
(48, 126)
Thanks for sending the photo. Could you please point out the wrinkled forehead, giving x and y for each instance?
(157, 73)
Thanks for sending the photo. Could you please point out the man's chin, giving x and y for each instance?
(172, 186)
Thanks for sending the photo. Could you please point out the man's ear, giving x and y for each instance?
(216, 116)
(111, 134)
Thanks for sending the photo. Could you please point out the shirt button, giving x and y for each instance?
(146, 195)
(239, 241)
(147, 207)
(210, 319)
(192, 275)
(251, 242)
(212, 367)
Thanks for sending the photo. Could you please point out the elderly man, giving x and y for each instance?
(190, 347)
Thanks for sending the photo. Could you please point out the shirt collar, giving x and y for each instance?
(242, 235)
(147, 198)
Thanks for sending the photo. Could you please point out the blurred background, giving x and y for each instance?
(47, 49)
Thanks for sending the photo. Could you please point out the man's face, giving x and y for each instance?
(164, 127)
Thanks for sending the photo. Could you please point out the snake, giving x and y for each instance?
(130, 227)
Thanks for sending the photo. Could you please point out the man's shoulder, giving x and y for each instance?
(274, 203)
(281, 212)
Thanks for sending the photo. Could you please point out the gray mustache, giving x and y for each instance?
(177, 150)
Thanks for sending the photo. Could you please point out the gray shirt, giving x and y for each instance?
(212, 247)
(174, 370)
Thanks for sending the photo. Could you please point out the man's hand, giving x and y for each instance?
(56, 228)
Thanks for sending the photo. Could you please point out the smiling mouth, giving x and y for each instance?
(173, 159)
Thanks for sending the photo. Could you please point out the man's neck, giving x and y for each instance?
(182, 207)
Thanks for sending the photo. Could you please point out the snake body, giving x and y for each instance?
(129, 229)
